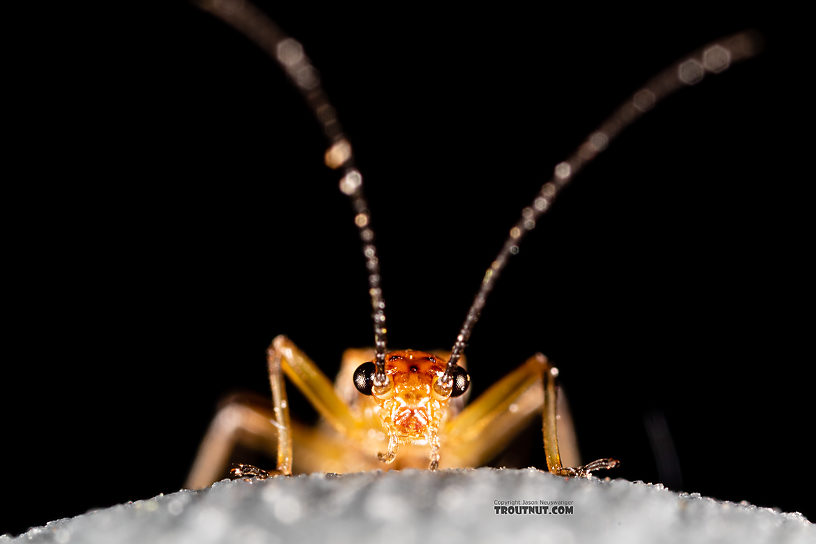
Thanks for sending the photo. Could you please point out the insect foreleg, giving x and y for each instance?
(490, 422)
(253, 423)
(285, 357)
(241, 420)
(550, 430)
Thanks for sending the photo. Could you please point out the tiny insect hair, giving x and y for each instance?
(713, 58)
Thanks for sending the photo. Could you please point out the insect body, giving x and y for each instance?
(420, 424)
(404, 407)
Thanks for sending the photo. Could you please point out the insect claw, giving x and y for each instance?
(248, 472)
(585, 471)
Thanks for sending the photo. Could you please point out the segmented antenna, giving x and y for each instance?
(288, 52)
(715, 57)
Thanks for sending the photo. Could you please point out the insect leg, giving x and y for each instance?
(550, 428)
(489, 423)
(254, 424)
(246, 420)
(284, 356)
(242, 419)
(280, 407)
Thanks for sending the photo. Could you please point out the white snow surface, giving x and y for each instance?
(448, 506)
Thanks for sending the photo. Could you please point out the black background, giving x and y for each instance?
(167, 214)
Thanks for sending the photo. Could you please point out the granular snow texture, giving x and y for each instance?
(448, 506)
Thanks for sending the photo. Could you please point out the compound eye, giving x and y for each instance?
(461, 381)
(364, 378)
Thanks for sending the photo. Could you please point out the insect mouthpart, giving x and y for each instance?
(410, 419)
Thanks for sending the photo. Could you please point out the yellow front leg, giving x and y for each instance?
(283, 357)
(246, 421)
(490, 422)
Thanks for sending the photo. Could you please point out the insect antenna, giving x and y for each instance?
(713, 58)
(288, 52)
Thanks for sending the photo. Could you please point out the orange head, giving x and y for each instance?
(411, 405)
